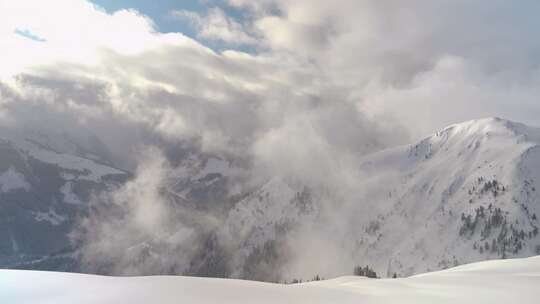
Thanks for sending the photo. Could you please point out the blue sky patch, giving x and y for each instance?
(28, 34)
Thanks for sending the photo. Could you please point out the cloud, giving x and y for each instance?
(135, 229)
(326, 84)
(74, 31)
(167, 85)
(361, 44)
(215, 25)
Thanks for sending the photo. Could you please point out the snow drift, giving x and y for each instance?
(498, 281)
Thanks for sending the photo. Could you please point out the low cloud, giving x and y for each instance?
(325, 85)
(139, 228)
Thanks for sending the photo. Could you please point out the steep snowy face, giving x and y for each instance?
(465, 194)
(257, 226)
(43, 189)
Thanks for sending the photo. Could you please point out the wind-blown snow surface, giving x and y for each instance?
(498, 281)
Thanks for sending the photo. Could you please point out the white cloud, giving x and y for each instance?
(74, 32)
(329, 81)
(359, 52)
(359, 45)
(217, 26)
(381, 63)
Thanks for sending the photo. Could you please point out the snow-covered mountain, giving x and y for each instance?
(500, 281)
(467, 193)
(45, 184)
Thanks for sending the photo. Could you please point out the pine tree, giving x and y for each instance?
(493, 245)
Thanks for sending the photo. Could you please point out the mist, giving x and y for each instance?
(298, 92)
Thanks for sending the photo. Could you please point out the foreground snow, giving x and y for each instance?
(498, 281)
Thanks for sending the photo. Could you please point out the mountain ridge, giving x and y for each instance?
(474, 173)
(466, 193)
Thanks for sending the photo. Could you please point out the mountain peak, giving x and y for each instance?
(481, 126)
(491, 128)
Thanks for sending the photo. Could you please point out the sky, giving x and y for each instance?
(159, 11)
(418, 66)
(273, 81)
(294, 88)
(163, 14)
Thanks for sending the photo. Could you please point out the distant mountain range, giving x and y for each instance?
(46, 183)
(468, 193)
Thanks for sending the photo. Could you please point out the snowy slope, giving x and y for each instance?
(45, 184)
(499, 281)
(467, 193)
